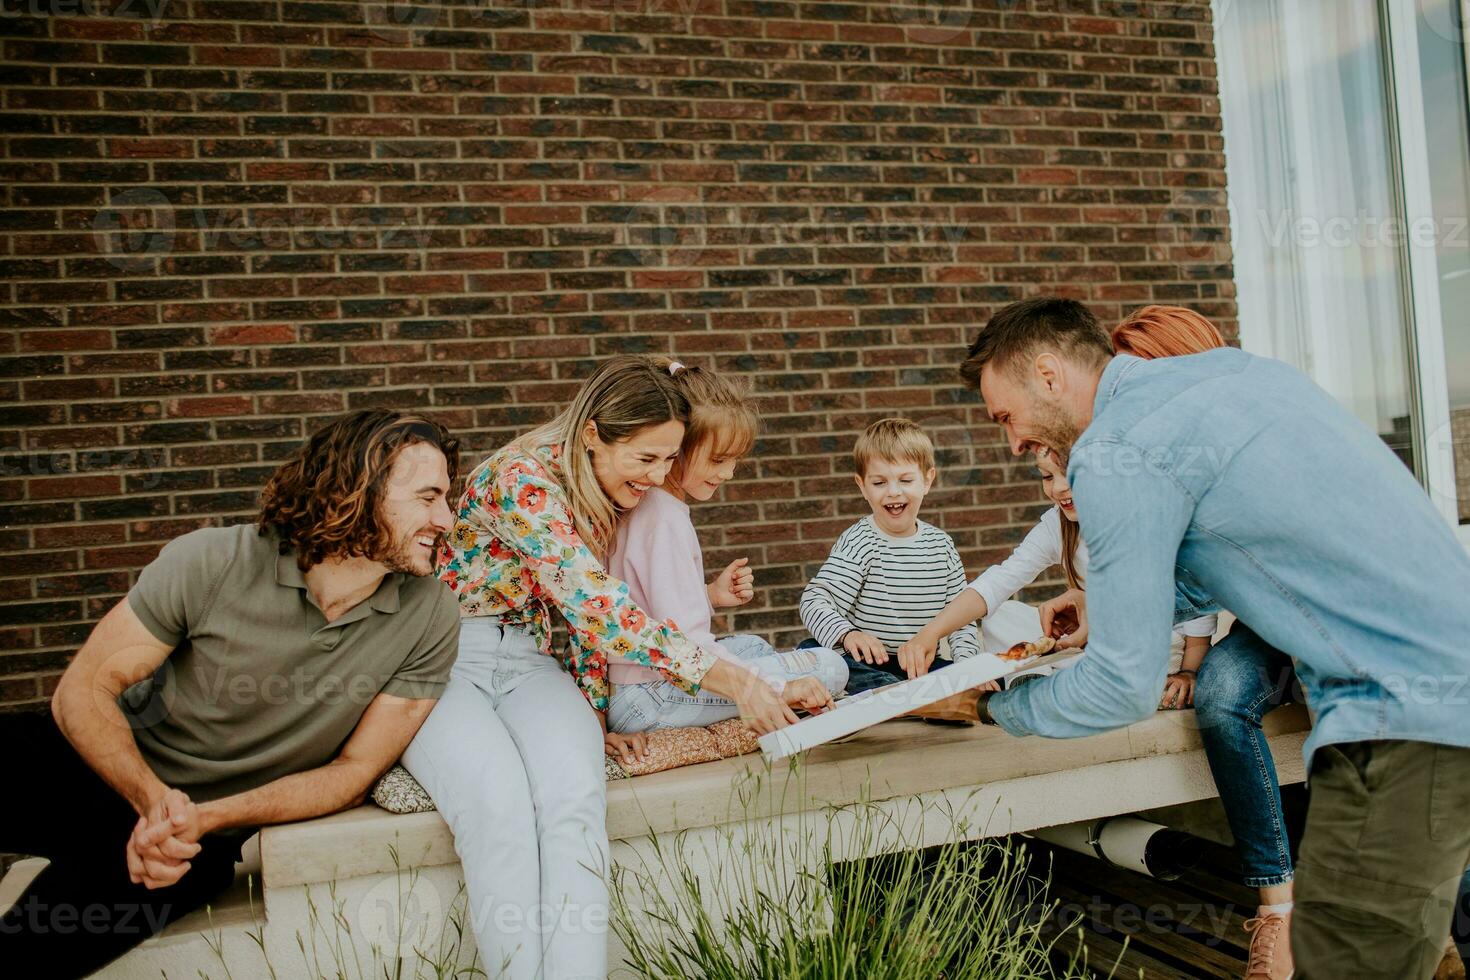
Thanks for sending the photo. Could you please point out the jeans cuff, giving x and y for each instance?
(1268, 881)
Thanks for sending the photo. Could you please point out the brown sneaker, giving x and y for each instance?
(1451, 967)
(1270, 953)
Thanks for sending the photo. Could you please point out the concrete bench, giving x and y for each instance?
(387, 874)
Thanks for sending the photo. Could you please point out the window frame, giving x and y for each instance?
(1434, 445)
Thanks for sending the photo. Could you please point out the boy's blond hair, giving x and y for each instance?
(898, 440)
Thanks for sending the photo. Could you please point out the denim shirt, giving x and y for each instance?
(1232, 477)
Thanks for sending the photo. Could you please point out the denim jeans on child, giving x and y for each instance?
(659, 704)
(512, 755)
(864, 677)
(1240, 681)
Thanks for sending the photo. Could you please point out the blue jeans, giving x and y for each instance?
(864, 677)
(1240, 681)
(659, 704)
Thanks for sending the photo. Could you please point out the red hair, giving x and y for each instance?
(1165, 331)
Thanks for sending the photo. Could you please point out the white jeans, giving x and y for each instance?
(512, 755)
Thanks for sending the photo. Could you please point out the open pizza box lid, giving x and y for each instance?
(882, 704)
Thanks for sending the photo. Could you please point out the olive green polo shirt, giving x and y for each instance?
(259, 684)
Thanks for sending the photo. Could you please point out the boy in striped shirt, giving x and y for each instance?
(890, 573)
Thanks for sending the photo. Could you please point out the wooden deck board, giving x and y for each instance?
(1168, 936)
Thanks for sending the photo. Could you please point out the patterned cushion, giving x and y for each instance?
(671, 748)
(399, 792)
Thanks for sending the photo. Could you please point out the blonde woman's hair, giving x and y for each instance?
(1071, 531)
(626, 393)
(900, 440)
(722, 416)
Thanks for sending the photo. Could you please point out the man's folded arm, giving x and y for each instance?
(387, 726)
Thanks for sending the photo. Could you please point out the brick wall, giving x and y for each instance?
(224, 221)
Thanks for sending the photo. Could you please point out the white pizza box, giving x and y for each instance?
(882, 704)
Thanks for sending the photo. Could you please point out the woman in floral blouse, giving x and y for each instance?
(512, 753)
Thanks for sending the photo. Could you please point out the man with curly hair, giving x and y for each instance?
(254, 675)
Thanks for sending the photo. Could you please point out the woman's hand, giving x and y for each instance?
(1065, 619)
(1178, 690)
(808, 694)
(735, 586)
(762, 710)
(915, 655)
(626, 748)
(760, 707)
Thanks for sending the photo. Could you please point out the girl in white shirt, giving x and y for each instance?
(657, 554)
(1056, 540)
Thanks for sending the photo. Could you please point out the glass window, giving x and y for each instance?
(1319, 249)
(1442, 52)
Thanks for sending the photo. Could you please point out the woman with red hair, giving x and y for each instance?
(1165, 331)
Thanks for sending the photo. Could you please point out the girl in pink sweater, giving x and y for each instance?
(657, 554)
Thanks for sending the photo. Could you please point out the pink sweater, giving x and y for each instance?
(657, 554)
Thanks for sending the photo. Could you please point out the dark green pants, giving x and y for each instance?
(1387, 839)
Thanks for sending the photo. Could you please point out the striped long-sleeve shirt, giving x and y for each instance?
(889, 587)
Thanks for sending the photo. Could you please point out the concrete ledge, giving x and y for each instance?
(926, 785)
(898, 759)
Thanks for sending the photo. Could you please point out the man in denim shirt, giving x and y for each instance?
(1238, 474)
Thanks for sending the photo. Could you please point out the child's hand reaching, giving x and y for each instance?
(1178, 690)
(1065, 619)
(865, 647)
(808, 694)
(916, 655)
(735, 586)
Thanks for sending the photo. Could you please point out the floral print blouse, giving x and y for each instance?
(514, 552)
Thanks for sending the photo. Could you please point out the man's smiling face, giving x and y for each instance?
(1030, 405)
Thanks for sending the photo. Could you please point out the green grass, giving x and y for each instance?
(753, 906)
(328, 951)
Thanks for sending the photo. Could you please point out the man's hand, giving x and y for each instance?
(1065, 619)
(1178, 690)
(808, 694)
(626, 748)
(164, 841)
(917, 654)
(735, 586)
(865, 647)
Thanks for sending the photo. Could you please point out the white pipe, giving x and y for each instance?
(1127, 842)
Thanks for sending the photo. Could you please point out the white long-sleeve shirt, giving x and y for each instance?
(1041, 549)
(889, 587)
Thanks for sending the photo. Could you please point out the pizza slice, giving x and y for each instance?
(1025, 651)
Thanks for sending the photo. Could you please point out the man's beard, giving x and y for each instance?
(1054, 429)
(401, 558)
